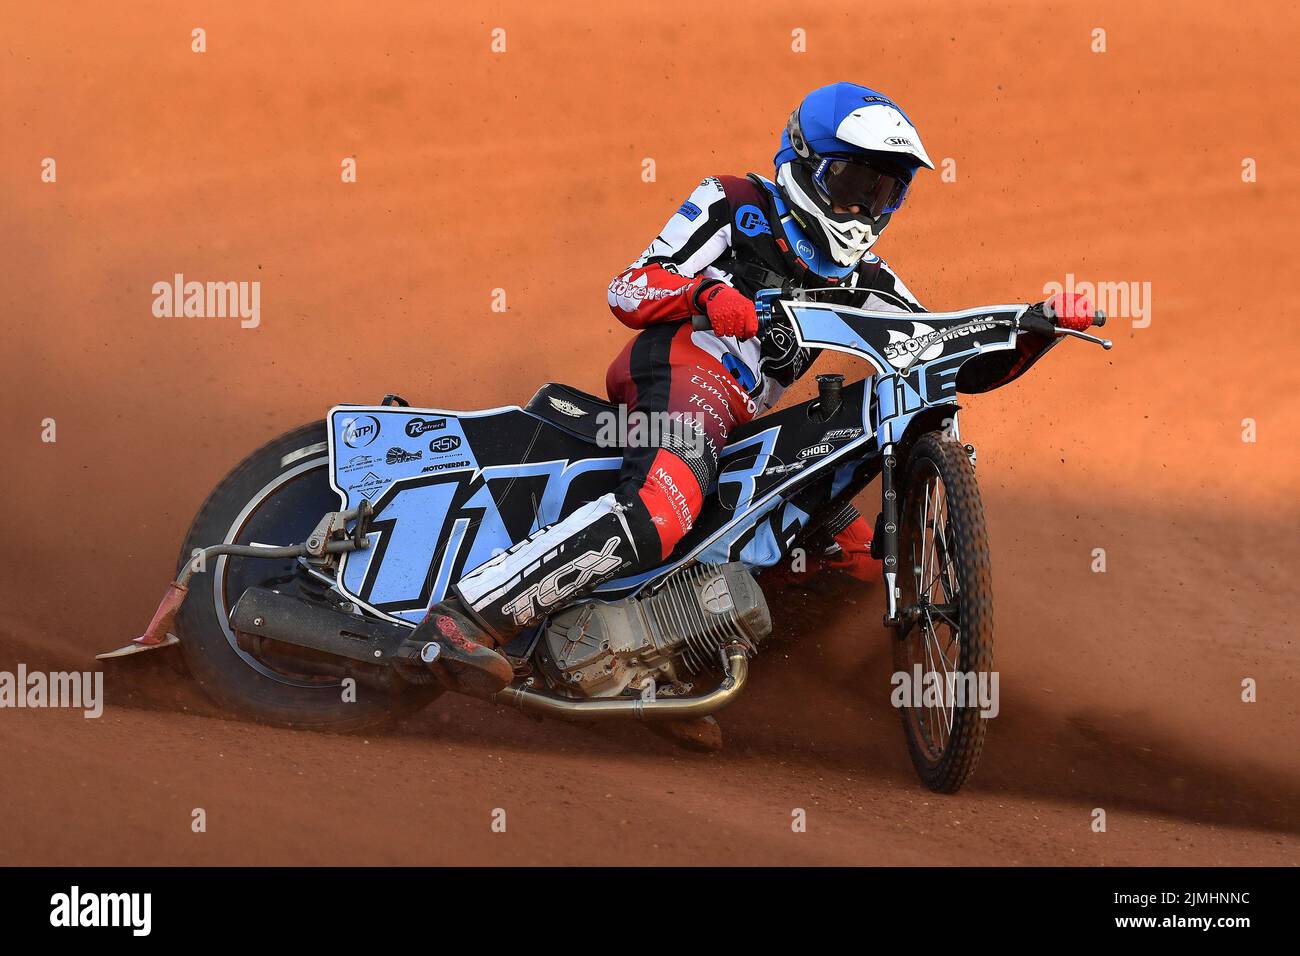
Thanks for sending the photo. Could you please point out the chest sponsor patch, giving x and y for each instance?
(751, 221)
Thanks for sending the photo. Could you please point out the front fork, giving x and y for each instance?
(889, 535)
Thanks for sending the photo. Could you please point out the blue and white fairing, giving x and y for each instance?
(917, 356)
(444, 499)
(450, 490)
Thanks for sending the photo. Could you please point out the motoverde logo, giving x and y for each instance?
(360, 432)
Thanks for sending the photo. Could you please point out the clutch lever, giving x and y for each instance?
(1104, 343)
(1043, 324)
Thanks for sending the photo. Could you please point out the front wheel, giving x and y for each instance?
(945, 637)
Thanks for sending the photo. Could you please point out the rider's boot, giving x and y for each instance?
(847, 548)
(499, 598)
(851, 553)
(466, 661)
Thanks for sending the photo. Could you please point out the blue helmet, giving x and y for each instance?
(846, 160)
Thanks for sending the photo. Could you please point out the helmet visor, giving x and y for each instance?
(848, 183)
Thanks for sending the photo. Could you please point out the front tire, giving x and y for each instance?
(275, 496)
(946, 606)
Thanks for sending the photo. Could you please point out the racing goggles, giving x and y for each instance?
(876, 192)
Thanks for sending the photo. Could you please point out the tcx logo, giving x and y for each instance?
(553, 589)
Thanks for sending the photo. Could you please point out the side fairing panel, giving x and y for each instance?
(449, 490)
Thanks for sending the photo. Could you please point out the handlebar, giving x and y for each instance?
(763, 305)
(1041, 322)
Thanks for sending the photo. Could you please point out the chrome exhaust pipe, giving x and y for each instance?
(621, 708)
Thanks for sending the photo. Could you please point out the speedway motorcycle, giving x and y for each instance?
(303, 574)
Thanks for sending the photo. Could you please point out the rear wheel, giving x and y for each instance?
(275, 496)
(946, 607)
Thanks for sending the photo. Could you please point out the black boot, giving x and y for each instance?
(461, 654)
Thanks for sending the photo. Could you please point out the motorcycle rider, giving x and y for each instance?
(847, 158)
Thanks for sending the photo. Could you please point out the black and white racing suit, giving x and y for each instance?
(733, 230)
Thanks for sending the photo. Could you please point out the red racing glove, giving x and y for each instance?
(1070, 310)
(729, 312)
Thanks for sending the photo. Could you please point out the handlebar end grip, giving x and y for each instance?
(701, 323)
(1099, 318)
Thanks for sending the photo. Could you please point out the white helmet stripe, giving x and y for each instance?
(884, 129)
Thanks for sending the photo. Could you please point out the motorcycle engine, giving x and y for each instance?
(600, 650)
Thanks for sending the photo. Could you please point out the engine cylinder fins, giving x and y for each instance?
(705, 608)
(607, 649)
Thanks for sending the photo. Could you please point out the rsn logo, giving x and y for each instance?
(103, 909)
(444, 444)
(360, 432)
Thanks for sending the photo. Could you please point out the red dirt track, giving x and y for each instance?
(522, 171)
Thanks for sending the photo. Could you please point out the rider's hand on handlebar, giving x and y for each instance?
(1069, 310)
(729, 312)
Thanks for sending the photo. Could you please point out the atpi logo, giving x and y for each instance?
(360, 432)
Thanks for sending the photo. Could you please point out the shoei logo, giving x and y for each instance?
(360, 432)
(817, 450)
(418, 426)
(444, 444)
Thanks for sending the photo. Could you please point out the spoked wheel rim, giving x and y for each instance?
(232, 576)
(932, 607)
